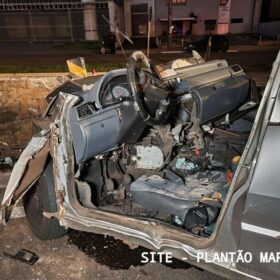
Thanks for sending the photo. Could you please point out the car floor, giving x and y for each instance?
(81, 255)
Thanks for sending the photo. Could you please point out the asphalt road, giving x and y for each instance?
(257, 63)
(250, 60)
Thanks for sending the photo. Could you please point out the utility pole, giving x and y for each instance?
(170, 3)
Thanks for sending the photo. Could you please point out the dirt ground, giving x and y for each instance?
(80, 255)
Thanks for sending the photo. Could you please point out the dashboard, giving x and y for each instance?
(114, 91)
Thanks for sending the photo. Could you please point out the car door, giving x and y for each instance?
(260, 234)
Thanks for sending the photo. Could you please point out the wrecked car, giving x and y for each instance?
(180, 157)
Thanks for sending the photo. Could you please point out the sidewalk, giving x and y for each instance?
(235, 48)
(250, 48)
(47, 48)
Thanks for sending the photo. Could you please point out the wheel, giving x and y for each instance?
(38, 199)
(102, 50)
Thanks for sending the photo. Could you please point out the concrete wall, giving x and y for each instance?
(22, 100)
(204, 11)
(242, 9)
(116, 15)
(90, 24)
(257, 9)
(128, 16)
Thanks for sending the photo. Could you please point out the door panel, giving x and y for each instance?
(261, 219)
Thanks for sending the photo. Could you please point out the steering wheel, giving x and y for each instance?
(135, 75)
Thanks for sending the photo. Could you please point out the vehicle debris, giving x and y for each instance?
(24, 256)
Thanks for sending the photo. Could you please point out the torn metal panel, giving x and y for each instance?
(33, 170)
(60, 149)
(27, 169)
(31, 163)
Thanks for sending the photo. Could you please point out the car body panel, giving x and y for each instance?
(26, 171)
(260, 222)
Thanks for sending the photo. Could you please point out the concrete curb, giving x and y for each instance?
(41, 75)
(237, 48)
(254, 48)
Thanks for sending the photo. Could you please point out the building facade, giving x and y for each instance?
(193, 16)
(76, 20)
(267, 17)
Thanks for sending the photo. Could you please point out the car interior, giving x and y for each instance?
(162, 143)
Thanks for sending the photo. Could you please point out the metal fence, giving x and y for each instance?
(49, 25)
(16, 5)
(50, 4)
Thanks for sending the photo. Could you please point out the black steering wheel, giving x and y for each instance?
(139, 73)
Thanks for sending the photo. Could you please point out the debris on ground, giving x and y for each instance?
(7, 161)
(24, 256)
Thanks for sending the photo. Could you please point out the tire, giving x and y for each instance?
(41, 197)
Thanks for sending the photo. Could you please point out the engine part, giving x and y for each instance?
(148, 157)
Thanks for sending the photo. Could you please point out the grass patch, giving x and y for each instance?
(98, 67)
